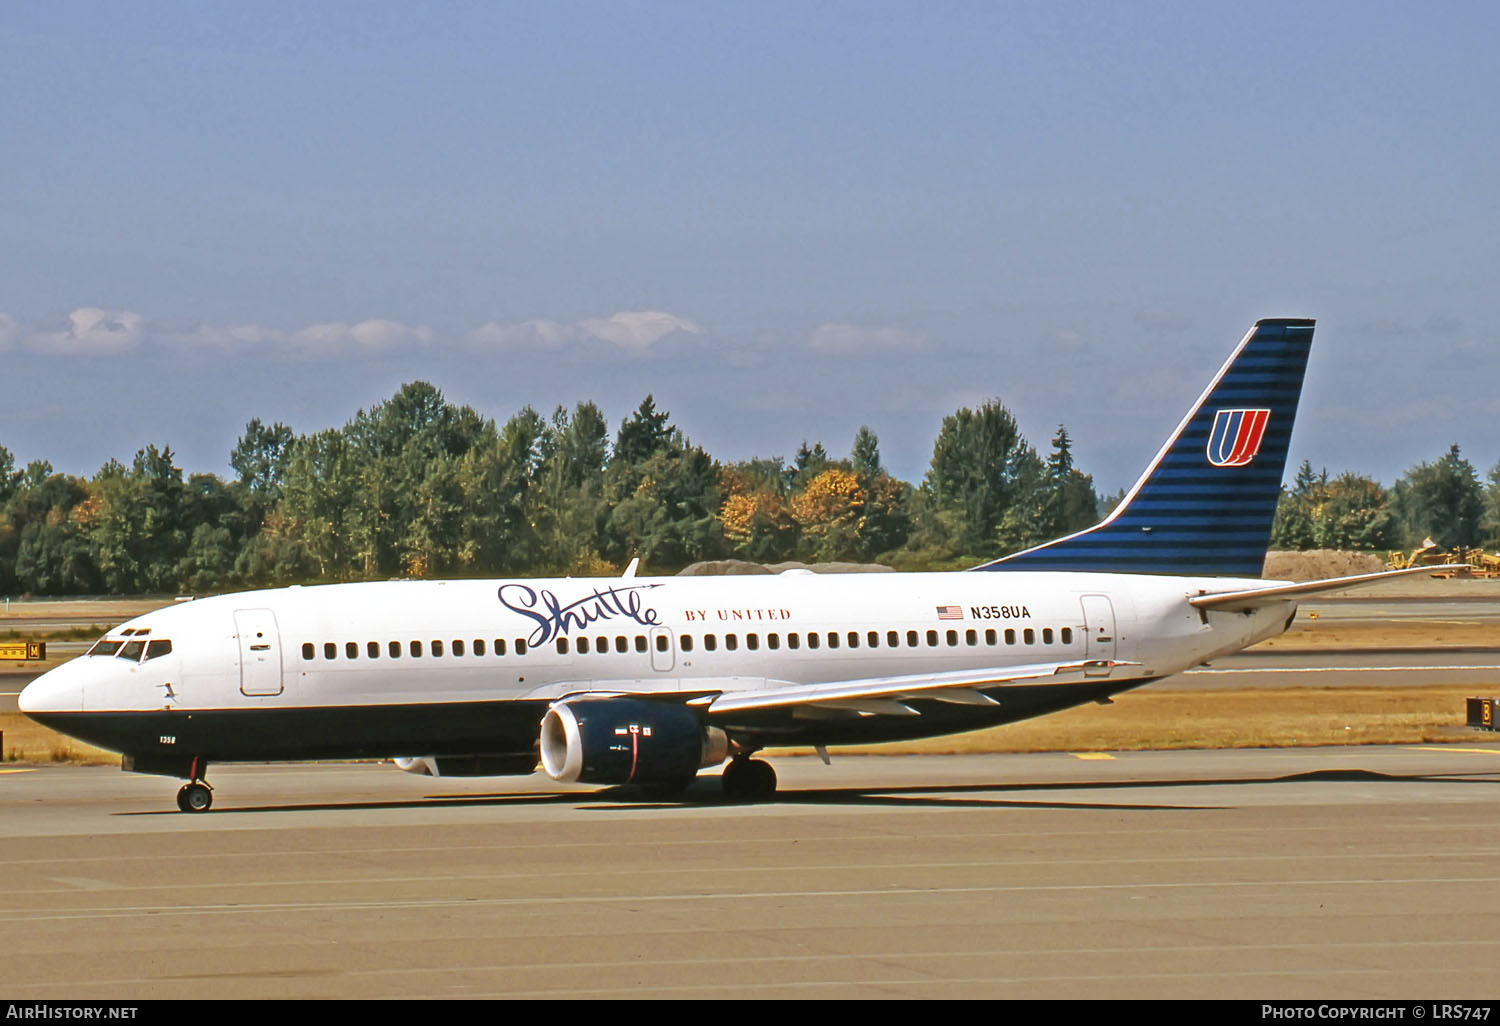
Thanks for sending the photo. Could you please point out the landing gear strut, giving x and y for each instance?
(748, 779)
(196, 795)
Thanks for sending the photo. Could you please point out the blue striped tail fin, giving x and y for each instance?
(1204, 506)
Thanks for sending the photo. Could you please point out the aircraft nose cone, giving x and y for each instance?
(59, 690)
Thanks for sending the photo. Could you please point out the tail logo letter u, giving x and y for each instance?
(1236, 436)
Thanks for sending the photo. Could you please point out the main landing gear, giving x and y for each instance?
(747, 780)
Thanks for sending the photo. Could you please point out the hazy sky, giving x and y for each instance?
(784, 219)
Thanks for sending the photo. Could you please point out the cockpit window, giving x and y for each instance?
(105, 647)
(159, 647)
(132, 650)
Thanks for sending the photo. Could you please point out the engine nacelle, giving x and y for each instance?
(469, 765)
(628, 741)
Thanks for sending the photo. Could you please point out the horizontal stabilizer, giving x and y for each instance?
(1254, 598)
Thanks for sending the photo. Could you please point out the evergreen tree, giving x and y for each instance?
(1441, 500)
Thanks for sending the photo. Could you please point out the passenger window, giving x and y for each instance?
(932, 639)
(685, 642)
(458, 648)
(583, 646)
(437, 648)
(640, 643)
(1046, 635)
(873, 639)
(952, 638)
(372, 649)
(854, 639)
(395, 649)
(773, 641)
(1010, 636)
(971, 637)
(601, 646)
(479, 646)
(1029, 635)
(499, 646)
(752, 641)
(794, 640)
(833, 639)
(710, 642)
(990, 637)
(159, 647)
(661, 642)
(812, 639)
(330, 650)
(731, 642)
(351, 650)
(520, 647)
(307, 650)
(1067, 635)
(562, 646)
(893, 639)
(911, 639)
(622, 644)
(416, 649)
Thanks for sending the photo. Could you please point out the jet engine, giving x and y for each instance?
(628, 741)
(469, 765)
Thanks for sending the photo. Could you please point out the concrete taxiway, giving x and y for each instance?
(1350, 872)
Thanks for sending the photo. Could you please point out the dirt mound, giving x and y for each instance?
(1317, 564)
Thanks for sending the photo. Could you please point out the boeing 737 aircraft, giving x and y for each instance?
(646, 681)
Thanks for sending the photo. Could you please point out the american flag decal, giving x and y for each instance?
(950, 612)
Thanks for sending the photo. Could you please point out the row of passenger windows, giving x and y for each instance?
(394, 650)
(871, 639)
(731, 642)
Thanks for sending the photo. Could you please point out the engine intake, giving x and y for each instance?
(628, 741)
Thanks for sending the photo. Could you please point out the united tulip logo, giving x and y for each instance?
(1236, 436)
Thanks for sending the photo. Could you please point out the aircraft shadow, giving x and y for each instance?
(707, 794)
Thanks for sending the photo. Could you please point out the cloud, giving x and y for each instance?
(1162, 321)
(853, 338)
(1067, 340)
(95, 332)
(10, 331)
(634, 331)
(373, 335)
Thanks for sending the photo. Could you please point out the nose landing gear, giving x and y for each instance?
(196, 795)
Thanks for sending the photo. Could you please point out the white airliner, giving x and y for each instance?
(646, 681)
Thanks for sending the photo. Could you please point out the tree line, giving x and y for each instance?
(418, 487)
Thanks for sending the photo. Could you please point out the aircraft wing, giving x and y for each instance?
(1252, 598)
(884, 695)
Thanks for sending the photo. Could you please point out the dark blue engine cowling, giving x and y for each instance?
(627, 741)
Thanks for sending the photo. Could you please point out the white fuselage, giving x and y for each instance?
(425, 644)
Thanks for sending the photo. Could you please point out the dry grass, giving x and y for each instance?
(26, 741)
(1376, 634)
(1231, 718)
